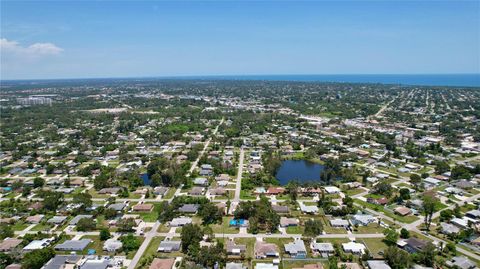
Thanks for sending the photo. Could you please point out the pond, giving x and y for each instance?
(146, 179)
(299, 170)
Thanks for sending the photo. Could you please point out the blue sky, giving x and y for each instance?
(79, 39)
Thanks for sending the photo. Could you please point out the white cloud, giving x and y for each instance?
(13, 48)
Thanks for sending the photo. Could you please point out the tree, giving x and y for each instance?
(210, 213)
(38, 182)
(83, 199)
(85, 224)
(212, 255)
(37, 258)
(110, 213)
(191, 235)
(5, 230)
(391, 236)
(404, 233)
(130, 242)
(165, 211)
(415, 179)
(427, 255)
(429, 204)
(292, 190)
(404, 193)
(441, 167)
(333, 262)
(52, 200)
(397, 258)
(126, 225)
(313, 228)
(5, 260)
(104, 234)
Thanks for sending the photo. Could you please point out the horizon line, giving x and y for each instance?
(236, 75)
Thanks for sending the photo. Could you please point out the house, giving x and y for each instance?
(113, 190)
(448, 228)
(95, 263)
(431, 182)
(73, 245)
(261, 265)
(460, 222)
(160, 190)
(196, 191)
(403, 211)
(62, 261)
(377, 264)
(453, 190)
(354, 248)
(112, 245)
(222, 177)
(162, 263)
(324, 249)
(118, 206)
(310, 209)
(473, 214)
(233, 265)
(206, 170)
(9, 244)
(218, 191)
(35, 219)
(200, 181)
(57, 220)
(275, 190)
(363, 219)
(296, 249)
(280, 208)
(332, 190)
(379, 201)
(414, 245)
(463, 184)
(286, 222)
(168, 246)
(339, 223)
(143, 207)
(181, 221)
(234, 249)
(75, 220)
(263, 250)
(189, 208)
(38, 244)
(461, 262)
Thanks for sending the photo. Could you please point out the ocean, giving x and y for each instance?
(458, 80)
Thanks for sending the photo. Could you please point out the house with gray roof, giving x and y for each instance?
(448, 228)
(324, 249)
(181, 221)
(118, 206)
(57, 220)
(461, 262)
(296, 249)
(377, 264)
(363, 219)
(73, 245)
(339, 223)
(168, 246)
(189, 208)
(61, 261)
(75, 220)
(234, 249)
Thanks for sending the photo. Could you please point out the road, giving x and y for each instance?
(238, 186)
(148, 237)
(195, 163)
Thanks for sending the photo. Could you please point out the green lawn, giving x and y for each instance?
(371, 228)
(224, 227)
(405, 219)
(375, 245)
(295, 230)
(19, 226)
(42, 227)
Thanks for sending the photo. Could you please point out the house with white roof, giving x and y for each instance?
(353, 247)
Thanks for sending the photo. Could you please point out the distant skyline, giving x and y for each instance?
(96, 39)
